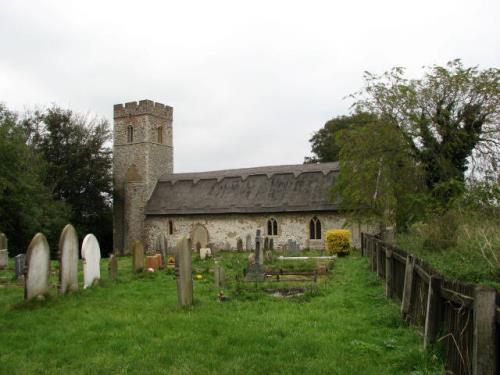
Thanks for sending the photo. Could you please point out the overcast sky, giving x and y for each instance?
(249, 81)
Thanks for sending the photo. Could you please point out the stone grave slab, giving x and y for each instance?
(38, 268)
(137, 256)
(68, 258)
(112, 267)
(184, 273)
(91, 257)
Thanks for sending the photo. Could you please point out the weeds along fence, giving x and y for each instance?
(464, 317)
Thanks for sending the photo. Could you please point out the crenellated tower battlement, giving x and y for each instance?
(143, 107)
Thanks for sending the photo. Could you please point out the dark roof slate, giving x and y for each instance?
(284, 188)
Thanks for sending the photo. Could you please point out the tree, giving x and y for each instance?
(378, 180)
(26, 204)
(324, 145)
(446, 119)
(78, 169)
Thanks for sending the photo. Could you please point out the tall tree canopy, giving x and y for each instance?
(447, 118)
(76, 150)
(324, 144)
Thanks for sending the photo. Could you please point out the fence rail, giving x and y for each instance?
(465, 317)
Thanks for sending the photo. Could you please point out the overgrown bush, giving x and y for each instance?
(338, 241)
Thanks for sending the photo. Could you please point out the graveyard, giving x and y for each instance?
(315, 315)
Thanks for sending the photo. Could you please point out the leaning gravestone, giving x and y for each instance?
(91, 256)
(20, 264)
(37, 268)
(255, 271)
(112, 267)
(68, 255)
(184, 273)
(137, 256)
(4, 253)
(248, 242)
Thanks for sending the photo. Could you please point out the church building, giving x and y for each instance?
(216, 209)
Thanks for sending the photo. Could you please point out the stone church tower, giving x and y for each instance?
(142, 152)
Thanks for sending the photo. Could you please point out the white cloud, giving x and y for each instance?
(249, 81)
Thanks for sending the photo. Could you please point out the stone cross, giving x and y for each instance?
(37, 270)
(68, 257)
(259, 259)
(184, 273)
(91, 256)
(112, 267)
(20, 264)
(4, 253)
(137, 256)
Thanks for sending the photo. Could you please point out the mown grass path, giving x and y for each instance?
(134, 326)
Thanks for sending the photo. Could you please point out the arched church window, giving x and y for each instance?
(160, 134)
(170, 227)
(315, 229)
(130, 134)
(272, 227)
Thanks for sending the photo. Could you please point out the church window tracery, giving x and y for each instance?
(272, 227)
(315, 229)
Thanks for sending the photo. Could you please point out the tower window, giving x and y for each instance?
(315, 229)
(272, 227)
(160, 134)
(130, 134)
(170, 227)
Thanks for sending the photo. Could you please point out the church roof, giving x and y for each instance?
(283, 188)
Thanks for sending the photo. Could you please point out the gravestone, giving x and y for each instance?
(112, 267)
(227, 246)
(239, 244)
(292, 247)
(219, 276)
(137, 256)
(184, 273)
(162, 247)
(20, 264)
(68, 258)
(256, 271)
(271, 244)
(248, 242)
(269, 256)
(266, 244)
(91, 257)
(38, 268)
(4, 253)
(205, 253)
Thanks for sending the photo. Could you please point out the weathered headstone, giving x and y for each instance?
(239, 244)
(255, 271)
(219, 276)
(68, 258)
(112, 267)
(162, 247)
(91, 257)
(4, 253)
(292, 247)
(184, 273)
(137, 256)
(269, 256)
(248, 242)
(266, 244)
(153, 262)
(205, 253)
(37, 268)
(271, 244)
(20, 264)
(227, 246)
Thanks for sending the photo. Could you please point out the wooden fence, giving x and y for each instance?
(465, 317)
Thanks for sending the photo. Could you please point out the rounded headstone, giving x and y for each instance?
(91, 255)
(38, 267)
(68, 253)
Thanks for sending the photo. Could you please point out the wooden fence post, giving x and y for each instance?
(388, 273)
(484, 352)
(433, 312)
(408, 286)
(380, 249)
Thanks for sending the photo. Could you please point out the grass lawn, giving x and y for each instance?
(133, 325)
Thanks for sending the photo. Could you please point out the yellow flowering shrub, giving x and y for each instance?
(338, 241)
